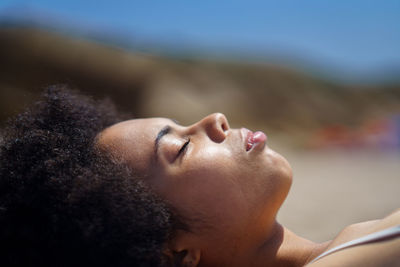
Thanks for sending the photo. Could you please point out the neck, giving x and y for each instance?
(285, 248)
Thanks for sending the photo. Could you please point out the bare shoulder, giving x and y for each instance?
(357, 230)
(391, 219)
(383, 253)
(380, 253)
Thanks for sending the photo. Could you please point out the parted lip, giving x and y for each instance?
(252, 139)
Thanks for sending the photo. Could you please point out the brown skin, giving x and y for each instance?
(229, 196)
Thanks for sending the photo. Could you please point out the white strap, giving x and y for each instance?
(393, 231)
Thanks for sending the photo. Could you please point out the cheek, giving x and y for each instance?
(208, 187)
(210, 164)
(209, 199)
(214, 155)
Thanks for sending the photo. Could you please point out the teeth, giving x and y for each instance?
(249, 142)
(249, 146)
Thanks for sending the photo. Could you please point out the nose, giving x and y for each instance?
(215, 126)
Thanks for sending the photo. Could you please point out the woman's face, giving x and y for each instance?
(206, 172)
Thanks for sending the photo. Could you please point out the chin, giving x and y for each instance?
(276, 180)
(278, 160)
(282, 169)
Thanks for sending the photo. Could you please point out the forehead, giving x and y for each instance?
(133, 141)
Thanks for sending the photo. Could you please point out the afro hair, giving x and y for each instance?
(64, 203)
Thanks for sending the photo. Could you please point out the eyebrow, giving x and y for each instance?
(175, 121)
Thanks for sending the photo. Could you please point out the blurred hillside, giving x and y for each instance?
(273, 98)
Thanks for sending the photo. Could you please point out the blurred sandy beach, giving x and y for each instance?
(335, 188)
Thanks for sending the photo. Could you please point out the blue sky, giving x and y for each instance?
(358, 36)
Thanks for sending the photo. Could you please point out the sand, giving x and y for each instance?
(338, 187)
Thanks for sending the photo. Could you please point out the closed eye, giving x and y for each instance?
(183, 148)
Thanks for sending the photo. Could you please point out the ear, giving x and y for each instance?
(186, 258)
(182, 251)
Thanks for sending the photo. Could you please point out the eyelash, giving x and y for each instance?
(183, 148)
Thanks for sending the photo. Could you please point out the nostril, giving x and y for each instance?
(223, 122)
(216, 126)
(224, 127)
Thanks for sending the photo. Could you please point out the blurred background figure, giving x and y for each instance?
(322, 79)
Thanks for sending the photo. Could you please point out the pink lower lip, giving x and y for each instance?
(259, 137)
(252, 139)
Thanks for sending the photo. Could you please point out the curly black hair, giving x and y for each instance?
(63, 202)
